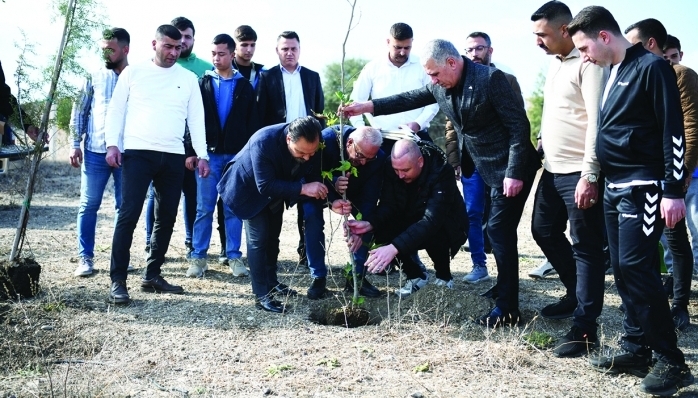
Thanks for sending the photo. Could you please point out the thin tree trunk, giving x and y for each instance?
(38, 146)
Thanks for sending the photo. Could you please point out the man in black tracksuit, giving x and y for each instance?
(640, 147)
(419, 208)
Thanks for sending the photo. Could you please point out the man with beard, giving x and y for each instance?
(151, 104)
(87, 120)
(188, 60)
(478, 48)
(383, 77)
(268, 174)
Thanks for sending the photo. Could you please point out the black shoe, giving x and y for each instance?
(159, 285)
(283, 289)
(669, 287)
(561, 310)
(492, 293)
(188, 248)
(267, 303)
(119, 293)
(624, 362)
(575, 343)
(680, 315)
(666, 378)
(318, 289)
(498, 318)
(366, 288)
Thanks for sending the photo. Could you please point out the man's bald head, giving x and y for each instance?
(407, 160)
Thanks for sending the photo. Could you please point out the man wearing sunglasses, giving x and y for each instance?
(362, 148)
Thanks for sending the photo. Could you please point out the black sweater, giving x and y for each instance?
(641, 134)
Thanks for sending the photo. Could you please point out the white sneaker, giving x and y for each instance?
(197, 267)
(223, 258)
(543, 270)
(86, 267)
(238, 267)
(441, 282)
(130, 268)
(411, 286)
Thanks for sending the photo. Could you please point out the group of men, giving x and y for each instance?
(612, 132)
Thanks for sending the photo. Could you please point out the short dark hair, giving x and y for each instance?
(649, 28)
(672, 42)
(592, 20)
(245, 33)
(169, 31)
(553, 11)
(289, 34)
(401, 31)
(182, 23)
(119, 34)
(224, 38)
(304, 127)
(484, 35)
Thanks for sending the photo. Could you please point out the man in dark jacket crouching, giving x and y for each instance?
(420, 208)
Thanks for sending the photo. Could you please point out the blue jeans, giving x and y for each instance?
(188, 207)
(262, 233)
(139, 169)
(474, 198)
(94, 177)
(692, 219)
(206, 198)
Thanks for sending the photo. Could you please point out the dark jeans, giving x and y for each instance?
(262, 232)
(139, 169)
(682, 258)
(221, 223)
(188, 208)
(634, 225)
(437, 247)
(580, 264)
(505, 214)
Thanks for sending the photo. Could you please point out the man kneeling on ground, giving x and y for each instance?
(420, 208)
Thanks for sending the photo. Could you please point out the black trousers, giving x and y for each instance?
(579, 264)
(166, 172)
(682, 256)
(634, 224)
(262, 232)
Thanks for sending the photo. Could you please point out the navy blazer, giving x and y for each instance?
(261, 173)
(484, 110)
(271, 97)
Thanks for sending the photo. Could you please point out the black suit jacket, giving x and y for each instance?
(484, 110)
(271, 97)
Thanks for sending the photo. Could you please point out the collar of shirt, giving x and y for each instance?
(573, 54)
(283, 70)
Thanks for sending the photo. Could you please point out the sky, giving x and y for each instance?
(322, 24)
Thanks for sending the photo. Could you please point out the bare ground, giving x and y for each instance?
(69, 341)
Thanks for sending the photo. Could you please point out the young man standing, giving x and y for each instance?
(87, 120)
(640, 147)
(230, 121)
(152, 103)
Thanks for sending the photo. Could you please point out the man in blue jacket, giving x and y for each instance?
(230, 121)
(640, 147)
(268, 174)
(362, 148)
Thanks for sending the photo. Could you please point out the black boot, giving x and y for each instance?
(366, 289)
(318, 289)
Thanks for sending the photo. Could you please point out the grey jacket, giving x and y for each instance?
(484, 110)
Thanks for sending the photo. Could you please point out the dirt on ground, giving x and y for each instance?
(211, 341)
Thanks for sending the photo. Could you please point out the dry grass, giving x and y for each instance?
(211, 341)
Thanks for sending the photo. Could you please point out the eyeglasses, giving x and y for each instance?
(475, 49)
(360, 155)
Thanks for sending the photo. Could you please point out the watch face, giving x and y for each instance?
(591, 178)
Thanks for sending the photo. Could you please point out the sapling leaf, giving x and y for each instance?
(354, 171)
(322, 145)
(358, 300)
(358, 216)
(344, 165)
(326, 174)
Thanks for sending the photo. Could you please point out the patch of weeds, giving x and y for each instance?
(53, 306)
(200, 390)
(423, 368)
(274, 370)
(103, 248)
(331, 363)
(540, 340)
(30, 371)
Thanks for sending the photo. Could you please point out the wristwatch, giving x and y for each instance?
(206, 158)
(591, 178)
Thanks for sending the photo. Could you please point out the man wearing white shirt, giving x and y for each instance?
(150, 106)
(398, 73)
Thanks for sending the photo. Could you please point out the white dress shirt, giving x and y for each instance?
(293, 89)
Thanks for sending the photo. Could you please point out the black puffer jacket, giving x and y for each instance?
(439, 207)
